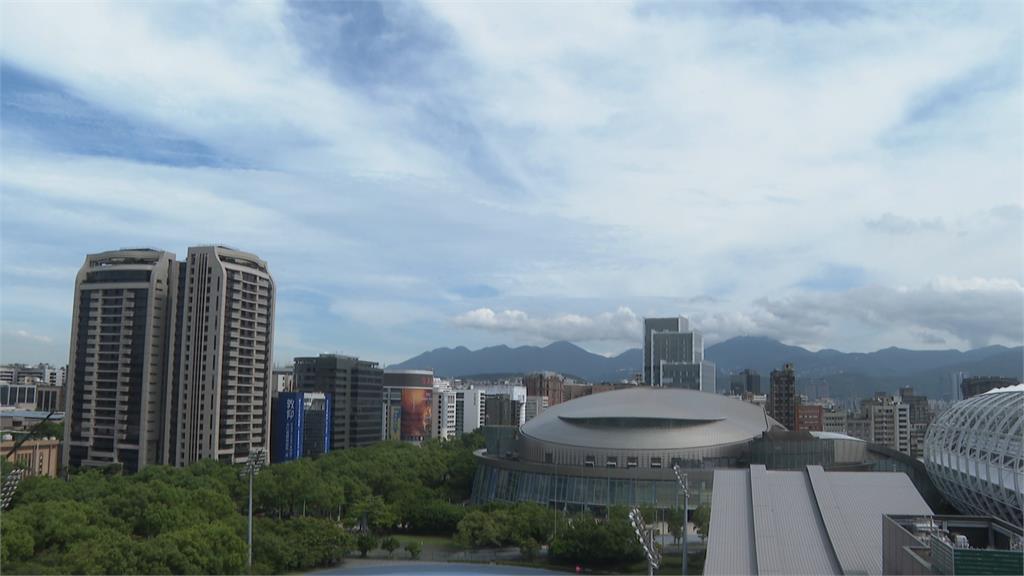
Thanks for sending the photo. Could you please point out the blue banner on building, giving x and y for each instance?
(288, 425)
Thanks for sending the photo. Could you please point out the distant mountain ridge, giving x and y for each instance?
(852, 373)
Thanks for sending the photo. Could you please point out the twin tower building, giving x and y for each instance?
(170, 361)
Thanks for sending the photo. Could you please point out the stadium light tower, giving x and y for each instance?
(646, 540)
(10, 485)
(684, 488)
(257, 460)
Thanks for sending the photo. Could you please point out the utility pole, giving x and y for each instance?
(257, 460)
(684, 487)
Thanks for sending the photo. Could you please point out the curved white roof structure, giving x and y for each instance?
(974, 453)
(646, 418)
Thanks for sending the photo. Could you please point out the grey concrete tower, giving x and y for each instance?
(118, 364)
(222, 391)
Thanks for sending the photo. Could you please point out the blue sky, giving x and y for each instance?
(437, 174)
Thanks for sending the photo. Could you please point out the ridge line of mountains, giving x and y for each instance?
(846, 374)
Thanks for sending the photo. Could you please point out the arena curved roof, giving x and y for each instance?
(645, 418)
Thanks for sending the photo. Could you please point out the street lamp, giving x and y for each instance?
(10, 485)
(257, 460)
(646, 540)
(684, 487)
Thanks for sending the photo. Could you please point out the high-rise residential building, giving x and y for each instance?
(782, 399)
(284, 379)
(674, 355)
(444, 412)
(548, 384)
(883, 420)
(921, 416)
(356, 389)
(120, 359)
(512, 404)
(970, 387)
(220, 397)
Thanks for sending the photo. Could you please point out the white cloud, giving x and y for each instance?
(26, 335)
(621, 325)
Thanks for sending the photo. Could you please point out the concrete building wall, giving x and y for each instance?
(117, 372)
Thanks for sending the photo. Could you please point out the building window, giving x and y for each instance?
(632, 462)
(656, 462)
(549, 458)
(588, 461)
(612, 462)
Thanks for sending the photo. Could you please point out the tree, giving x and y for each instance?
(702, 520)
(597, 542)
(477, 529)
(529, 549)
(414, 549)
(390, 544)
(365, 542)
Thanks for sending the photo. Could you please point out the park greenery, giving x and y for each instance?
(309, 513)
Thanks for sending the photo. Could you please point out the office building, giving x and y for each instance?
(407, 405)
(974, 453)
(301, 425)
(120, 362)
(356, 390)
(284, 379)
(971, 387)
(219, 400)
(835, 421)
(746, 381)
(674, 355)
(951, 545)
(803, 522)
(782, 399)
(508, 406)
(444, 412)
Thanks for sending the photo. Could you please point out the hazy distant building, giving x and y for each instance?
(883, 420)
(33, 374)
(782, 399)
(835, 421)
(284, 379)
(469, 410)
(746, 381)
(970, 387)
(356, 390)
(546, 384)
(535, 405)
(220, 399)
(120, 360)
(674, 355)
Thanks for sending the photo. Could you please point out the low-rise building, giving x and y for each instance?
(39, 457)
(951, 545)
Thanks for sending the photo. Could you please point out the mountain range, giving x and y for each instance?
(847, 374)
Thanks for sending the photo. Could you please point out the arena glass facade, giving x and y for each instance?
(975, 455)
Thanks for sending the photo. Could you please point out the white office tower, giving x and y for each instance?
(443, 412)
(227, 334)
(119, 359)
(469, 410)
(674, 355)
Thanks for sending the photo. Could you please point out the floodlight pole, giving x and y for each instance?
(255, 461)
(10, 485)
(684, 487)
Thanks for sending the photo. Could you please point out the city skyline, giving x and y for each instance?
(830, 175)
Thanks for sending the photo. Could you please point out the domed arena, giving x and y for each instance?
(975, 455)
(619, 448)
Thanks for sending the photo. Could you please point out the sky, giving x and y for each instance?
(419, 175)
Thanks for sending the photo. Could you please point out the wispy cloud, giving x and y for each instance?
(407, 162)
